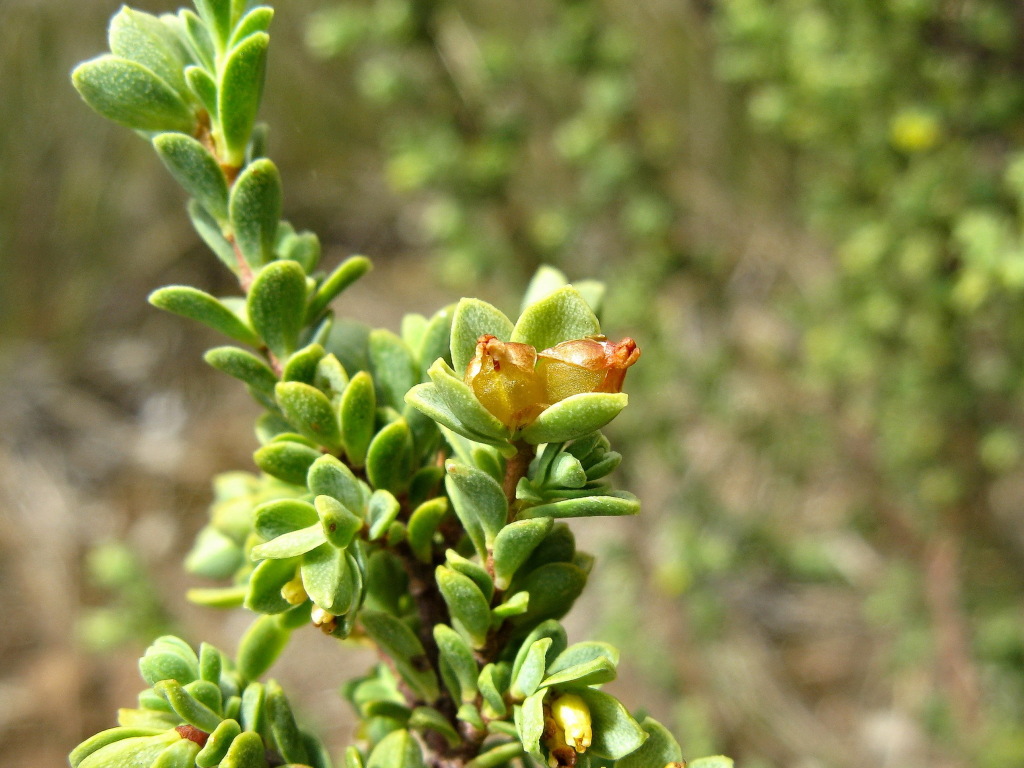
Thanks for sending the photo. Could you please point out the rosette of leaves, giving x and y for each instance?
(202, 711)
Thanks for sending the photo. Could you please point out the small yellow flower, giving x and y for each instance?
(572, 716)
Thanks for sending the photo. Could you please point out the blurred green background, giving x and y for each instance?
(808, 212)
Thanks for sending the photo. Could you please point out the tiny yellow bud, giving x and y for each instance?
(572, 715)
(294, 592)
(322, 620)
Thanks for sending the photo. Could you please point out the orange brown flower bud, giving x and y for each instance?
(585, 365)
(515, 383)
(503, 377)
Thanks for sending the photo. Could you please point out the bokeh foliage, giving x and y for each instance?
(855, 363)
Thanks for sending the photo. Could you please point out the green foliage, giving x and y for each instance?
(349, 525)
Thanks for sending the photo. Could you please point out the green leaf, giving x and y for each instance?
(202, 85)
(198, 40)
(619, 503)
(423, 524)
(396, 750)
(255, 212)
(401, 644)
(470, 612)
(132, 752)
(198, 172)
(616, 733)
(210, 231)
(381, 512)
(468, 713)
(217, 15)
(276, 304)
(394, 372)
(594, 672)
(254, 699)
(472, 319)
(243, 366)
(567, 472)
(545, 281)
(341, 278)
(310, 412)
(718, 761)
(661, 748)
(132, 95)
(604, 466)
(456, 652)
(553, 589)
(280, 516)
(471, 418)
(331, 578)
(339, 524)
(478, 500)
(516, 605)
(561, 316)
(429, 719)
(241, 88)
(473, 570)
(146, 40)
(181, 754)
(531, 671)
(191, 710)
(246, 751)
(496, 756)
(582, 653)
(530, 723)
(162, 663)
(574, 417)
(435, 341)
(429, 400)
(287, 736)
(352, 758)
(260, 646)
(492, 683)
(514, 544)
(199, 305)
(358, 411)
(304, 248)
(390, 458)
(331, 378)
(104, 739)
(559, 546)
(211, 663)
(265, 585)
(329, 477)
(302, 365)
(286, 460)
(593, 292)
(291, 544)
(218, 744)
(226, 597)
(256, 20)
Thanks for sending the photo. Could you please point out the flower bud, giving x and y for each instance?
(502, 375)
(585, 365)
(572, 716)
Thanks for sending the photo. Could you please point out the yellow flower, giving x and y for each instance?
(572, 716)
